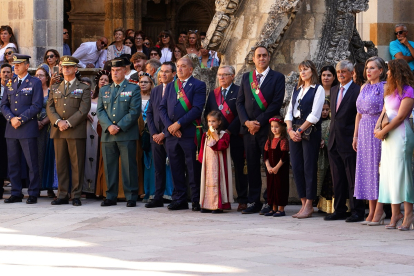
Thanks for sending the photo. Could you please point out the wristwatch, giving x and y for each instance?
(300, 130)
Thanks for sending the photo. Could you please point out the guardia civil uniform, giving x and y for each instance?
(69, 101)
(120, 105)
(22, 98)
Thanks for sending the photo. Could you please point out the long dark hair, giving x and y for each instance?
(171, 45)
(198, 40)
(400, 76)
(95, 93)
(359, 72)
(182, 49)
(218, 116)
(56, 53)
(314, 78)
(331, 69)
(283, 133)
(12, 38)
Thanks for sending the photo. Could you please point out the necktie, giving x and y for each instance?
(67, 88)
(20, 83)
(340, 97)
(224, 92)
(163, 90)
(259, 76)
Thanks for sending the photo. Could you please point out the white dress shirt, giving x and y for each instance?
(88, 53)
(264, 74)
(318, 102)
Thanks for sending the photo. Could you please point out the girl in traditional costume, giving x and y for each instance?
(216, 190)
(276, 158)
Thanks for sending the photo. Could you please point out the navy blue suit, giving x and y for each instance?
(273, 90)
(183, 150)
(159, 154)
(25, 102)
(236, 139)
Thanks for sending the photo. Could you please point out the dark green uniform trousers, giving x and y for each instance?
(111, 152)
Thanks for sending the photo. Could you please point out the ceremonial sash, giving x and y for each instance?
(226, 111)
(182, 97)
(257, 93)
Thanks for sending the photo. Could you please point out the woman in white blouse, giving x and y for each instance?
(167, 46)
(304, 128)
(118, 48)
(7, 40)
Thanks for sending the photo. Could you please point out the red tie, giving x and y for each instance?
(340, 97)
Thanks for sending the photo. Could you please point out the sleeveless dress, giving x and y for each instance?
(396, 179)
(369, 104)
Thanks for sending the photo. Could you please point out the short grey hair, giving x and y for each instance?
(155, 63)
(189, 60)
(345, 64)
(231, 68)
(401, 25)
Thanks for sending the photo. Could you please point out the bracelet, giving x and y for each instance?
(290, 129)
(356, 138)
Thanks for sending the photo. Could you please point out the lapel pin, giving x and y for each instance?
(190, 84)
(27, 80)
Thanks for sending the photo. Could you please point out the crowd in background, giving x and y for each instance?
(346, 132)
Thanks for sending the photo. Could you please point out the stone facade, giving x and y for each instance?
(37, 25)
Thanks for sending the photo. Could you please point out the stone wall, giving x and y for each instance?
(378, 22)
(299, 36)
(37, 25)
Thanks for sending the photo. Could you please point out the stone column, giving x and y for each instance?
(378, 23)
(37, 25)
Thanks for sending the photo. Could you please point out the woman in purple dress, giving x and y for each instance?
(369, 105)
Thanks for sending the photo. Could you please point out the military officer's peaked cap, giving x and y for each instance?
(18, 58)
(118, 62)
(68, 61)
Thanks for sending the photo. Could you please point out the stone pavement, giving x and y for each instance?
(43, 239)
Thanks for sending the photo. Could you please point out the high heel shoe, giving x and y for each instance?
(390, 226)
(376, 223)
(365, 222)
(406, 228)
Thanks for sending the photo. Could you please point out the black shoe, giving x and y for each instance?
(60, 201)
(51, 194)
(205, 211)
(108, 202)
(354, 218)
(175, 205)
(218, 211)
(31, 200)
(196, 207)
(336, 216)
(154, 204)
(266, 209)
(13, 199)
(253, 208)
(131, 203)
(76, 202)
(1, 190)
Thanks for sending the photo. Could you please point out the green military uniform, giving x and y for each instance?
(71, 102)
(121, 107)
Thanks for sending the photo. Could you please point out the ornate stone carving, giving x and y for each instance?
(357, 47)
(219, 27)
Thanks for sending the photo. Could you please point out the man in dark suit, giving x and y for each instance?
(224, 99)
(67, 108)
(22, 100)
(119, 107)
(342, 157)
(260, 98)
(180, 112)
(156, 129)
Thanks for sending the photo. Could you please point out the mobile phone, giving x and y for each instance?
(55, 69)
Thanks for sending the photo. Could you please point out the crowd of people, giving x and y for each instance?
(138, 134)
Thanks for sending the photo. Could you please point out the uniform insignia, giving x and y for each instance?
(65, 59)
(77, 91)
(27, 80)
(190, 84)
(14, 58)
(9, 83)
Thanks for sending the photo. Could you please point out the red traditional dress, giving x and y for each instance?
(216, 189)
(277, 184)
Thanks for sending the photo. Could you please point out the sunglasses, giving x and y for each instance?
(146, 43)
(50, 56)
(164, 36)
(399, 33)
(103, 43)
(193, 31)
(154, 54)
(8, 53)
(144, 82)
(65, 33)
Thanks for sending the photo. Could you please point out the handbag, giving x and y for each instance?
(306, 133)
(384, 121)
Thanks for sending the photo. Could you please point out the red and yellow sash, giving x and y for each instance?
(226, 111)
(257, 93)
(182, 97)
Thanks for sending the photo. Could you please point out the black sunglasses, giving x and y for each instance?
(164, 36)
(50, 56)
(399, 32)
(103, 44)
(8, 53)
(146, 43)
(65, 32)
(154, 54)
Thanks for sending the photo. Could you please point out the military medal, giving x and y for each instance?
(221, 107)
(228, 111)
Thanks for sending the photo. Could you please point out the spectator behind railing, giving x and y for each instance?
(401, 47)
(92, 54)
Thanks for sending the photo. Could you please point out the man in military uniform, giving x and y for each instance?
(22, 100)
(68, 105)
(119, 107)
